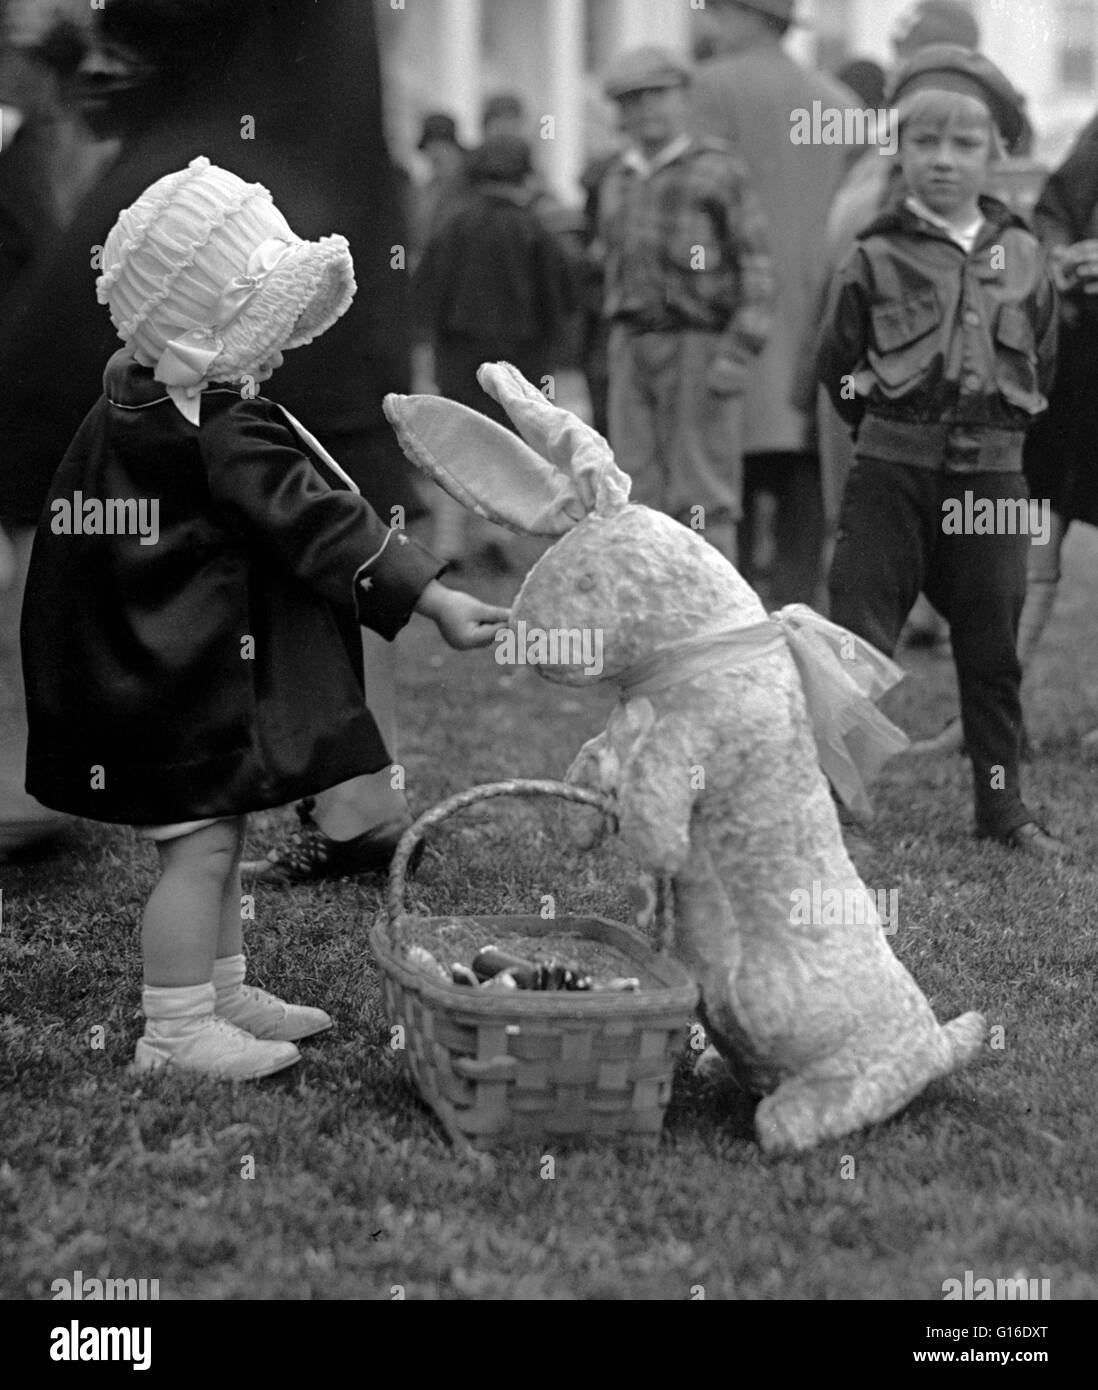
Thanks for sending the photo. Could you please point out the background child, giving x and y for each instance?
(943, 319)
(189, 631)
(689, 296)
(494, 284)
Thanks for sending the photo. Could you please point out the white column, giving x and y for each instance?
(799, 41)
(676, 26)
(561, 157)
(664, 22)
(1022, 40)
(458, 64)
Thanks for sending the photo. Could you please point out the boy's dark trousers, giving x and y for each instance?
(890, 544)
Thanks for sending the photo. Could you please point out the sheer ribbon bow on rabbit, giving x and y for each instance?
(716, 755)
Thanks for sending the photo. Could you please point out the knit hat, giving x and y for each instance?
(207, 281)
(948, 67)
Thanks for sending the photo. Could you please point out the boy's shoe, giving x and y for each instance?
(1030, 839)
(308, 855)
(271, 1019)
(213, 1047)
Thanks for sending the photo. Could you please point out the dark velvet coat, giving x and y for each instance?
(218, 670)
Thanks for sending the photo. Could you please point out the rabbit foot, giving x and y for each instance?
(850, 1091)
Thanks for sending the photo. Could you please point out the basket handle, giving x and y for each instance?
(516, 786)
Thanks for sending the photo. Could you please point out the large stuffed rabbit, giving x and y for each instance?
(715, 764)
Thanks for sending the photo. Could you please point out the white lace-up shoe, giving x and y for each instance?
(182, 1031)
(267, 1017)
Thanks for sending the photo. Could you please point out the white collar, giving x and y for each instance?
(635, 159)
(965, 237)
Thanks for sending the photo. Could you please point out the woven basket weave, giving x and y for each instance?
(529, 1066)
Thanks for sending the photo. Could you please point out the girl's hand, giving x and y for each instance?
(463, 620)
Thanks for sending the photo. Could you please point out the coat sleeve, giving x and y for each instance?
(841, 346)
(1064, 211)
(269, 491)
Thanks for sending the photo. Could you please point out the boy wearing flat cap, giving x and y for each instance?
(938, 349)
(689, 299)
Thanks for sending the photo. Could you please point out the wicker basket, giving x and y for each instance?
(505, 1068)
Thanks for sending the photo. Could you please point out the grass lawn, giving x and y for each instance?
(355, 1191)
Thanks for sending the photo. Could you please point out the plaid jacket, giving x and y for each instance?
(685, 246)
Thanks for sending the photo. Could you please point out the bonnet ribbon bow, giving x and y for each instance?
(841, 676)
(183, 364)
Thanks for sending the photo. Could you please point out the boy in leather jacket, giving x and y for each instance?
(939, 348)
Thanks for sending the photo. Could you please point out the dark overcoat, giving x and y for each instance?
(746, 99)
(1060, 451)
(307, 76)
(216, 668)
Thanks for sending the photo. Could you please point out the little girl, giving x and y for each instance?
(189, 632)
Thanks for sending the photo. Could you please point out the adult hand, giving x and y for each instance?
(1075, 267)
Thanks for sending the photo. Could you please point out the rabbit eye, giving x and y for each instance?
(585, 583)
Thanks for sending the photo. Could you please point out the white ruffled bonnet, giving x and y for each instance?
(207, 281)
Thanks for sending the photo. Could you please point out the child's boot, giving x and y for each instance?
(182, 1030)
(259, 1013)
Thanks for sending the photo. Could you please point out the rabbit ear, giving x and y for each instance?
(484, 466)
(561, 437)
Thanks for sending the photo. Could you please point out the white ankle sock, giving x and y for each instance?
(172, 1010)
(228, 976)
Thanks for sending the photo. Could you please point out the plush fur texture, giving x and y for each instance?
(718, 788)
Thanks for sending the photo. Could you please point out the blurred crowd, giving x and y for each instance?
(678, 307)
